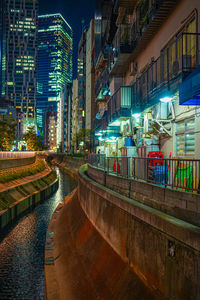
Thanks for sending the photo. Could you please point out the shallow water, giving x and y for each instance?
(22, 249)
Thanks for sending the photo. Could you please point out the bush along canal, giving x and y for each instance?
(22, 248)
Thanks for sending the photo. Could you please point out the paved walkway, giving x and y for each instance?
(17, 182)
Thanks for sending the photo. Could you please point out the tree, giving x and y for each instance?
(7, 136)
(83, 138)
(32, 140)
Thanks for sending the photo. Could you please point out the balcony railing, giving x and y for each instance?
(97, 125)
(102, 59)
(102, 123)
(149, 17)
(131, 39)
(102, 82)
(122, 47)
(119, 105)
(168, 71)
(128, 4)
(179, 174)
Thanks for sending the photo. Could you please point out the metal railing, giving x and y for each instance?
(179, 174)
(122, 44)
(102, 82)
(16, 154)
(177, 61)
(120, 103)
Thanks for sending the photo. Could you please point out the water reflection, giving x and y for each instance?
(22, 250)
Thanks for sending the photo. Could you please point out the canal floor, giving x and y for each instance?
(22, 249)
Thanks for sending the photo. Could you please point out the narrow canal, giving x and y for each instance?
(22, 249)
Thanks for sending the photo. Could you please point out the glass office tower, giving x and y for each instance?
(18, 54)
(54, 64)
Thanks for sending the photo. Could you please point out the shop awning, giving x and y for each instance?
(189, 90)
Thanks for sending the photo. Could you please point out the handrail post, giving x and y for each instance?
(147, 169)
(134, 167)
(165, 166)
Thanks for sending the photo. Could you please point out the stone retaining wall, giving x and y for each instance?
(163, 250)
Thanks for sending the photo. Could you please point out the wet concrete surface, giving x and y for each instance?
(85, 266)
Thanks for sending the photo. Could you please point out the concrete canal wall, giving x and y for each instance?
(25, 197)
(81, 265)
(162, 250)
(16, 159)
(7, 163)
(67, 164)
(182, 205)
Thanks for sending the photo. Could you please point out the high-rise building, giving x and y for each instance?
(85, 77)
(74, 114)
(18, 55)
(66, 118)
(89, 90)
(81, 76)
(2, 47)
(50, 129)
(54, 63)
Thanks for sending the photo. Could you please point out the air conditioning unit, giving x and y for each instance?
(133, 68)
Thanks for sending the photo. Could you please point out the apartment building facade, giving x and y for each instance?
(152, 62)
(85, 80)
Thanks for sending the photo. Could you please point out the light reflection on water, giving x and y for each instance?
(22, 249)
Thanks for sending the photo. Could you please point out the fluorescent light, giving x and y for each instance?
(113, 138)
(110, 141)
(166, 99)
(98, 134)
(136, 115)
(115, 123)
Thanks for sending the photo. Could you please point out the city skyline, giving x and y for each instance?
(55, 46)
(18, 56)
(74, 12)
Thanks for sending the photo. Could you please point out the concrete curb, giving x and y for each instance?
(51, 281)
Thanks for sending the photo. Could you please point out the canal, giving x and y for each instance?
(22, 248)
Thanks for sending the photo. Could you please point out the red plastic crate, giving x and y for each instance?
(155, 162)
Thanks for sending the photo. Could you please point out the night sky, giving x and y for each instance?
(74, 11)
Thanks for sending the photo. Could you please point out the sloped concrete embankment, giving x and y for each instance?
(81, 265)
(67, 164)
(163, 250)
(25, 196)
(6, 163)
(98, 241)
